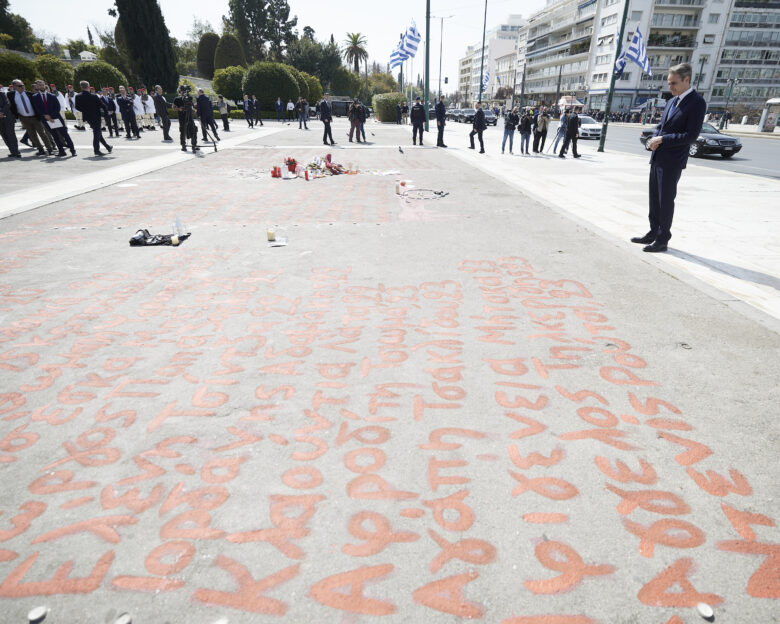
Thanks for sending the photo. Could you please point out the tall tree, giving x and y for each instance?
(206, 49)
(330, 62)
(89, 36)
(18, 28)
(248, 19)
(280, 30)
(148, 42)
(306, 55)
(229, 53)
(308, 32)
(354, 50)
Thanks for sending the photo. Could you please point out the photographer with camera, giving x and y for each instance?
(184, 105)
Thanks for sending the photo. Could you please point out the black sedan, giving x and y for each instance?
(453, 114)
(490, 118)
(710, 141)
(466, 115)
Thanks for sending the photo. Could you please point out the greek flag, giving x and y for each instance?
(411, 41)
(485, 80)
(637, 52)
(397, 57)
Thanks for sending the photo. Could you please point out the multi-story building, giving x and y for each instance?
(558, 50)
(748, 63)
(499, 42)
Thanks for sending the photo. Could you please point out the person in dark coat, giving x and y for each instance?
(206, 115)
(47, 107)
(127, 110)
(511, 121)
(478, 128)
(441, 121)
(526, 123)
(417, 115)
(398, 113)
(258, 116)
(161, 108)
(326, 119)
(572, 134)
(354, 120)
(249, 109)
(21, 104)
(109, 112)
(679, 128)
(91, 108)
(7, 122)
(183, 105)
(279, 108)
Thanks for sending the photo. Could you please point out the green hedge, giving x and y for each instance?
(385, 105)
(229, 53)
(99, 74)
(54, 71)
(303, 86)
(13, 66)
(268, 81)
(315, 88)
(205, 55)
(228, 81)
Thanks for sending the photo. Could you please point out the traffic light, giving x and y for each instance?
(446, 80)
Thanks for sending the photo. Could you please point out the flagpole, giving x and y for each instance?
(482, 55)
(427, 57)
(612, 80)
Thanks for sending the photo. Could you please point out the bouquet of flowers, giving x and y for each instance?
(291, 164)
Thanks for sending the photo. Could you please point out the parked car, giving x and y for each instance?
(710, 141)
(490, 118)
(453, 114)
(466, 115)
(589, 128)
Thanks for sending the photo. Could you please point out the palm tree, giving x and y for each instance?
(354, 50)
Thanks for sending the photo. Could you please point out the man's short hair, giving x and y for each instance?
(84, 84)
(683, 70)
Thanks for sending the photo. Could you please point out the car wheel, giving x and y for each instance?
(694, 150)
(727, 155)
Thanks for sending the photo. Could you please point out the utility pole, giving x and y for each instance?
(522, 89)
(732, 82)
(427, 56)
(612, 80)
(558, 88)
(482, 56)
(401, 77)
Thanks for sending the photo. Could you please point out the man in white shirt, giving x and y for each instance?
(290, 110)
(79, 125)
(138, 108)
(22, 108)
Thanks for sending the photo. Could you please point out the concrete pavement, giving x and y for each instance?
(472, 407)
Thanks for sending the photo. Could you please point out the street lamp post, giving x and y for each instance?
(482, 55)
(441, 43)
(732, 82)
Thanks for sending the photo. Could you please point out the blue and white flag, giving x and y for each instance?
(637, 52)
(498, 79)
(397, 57)
(411, 41)
(485, 80)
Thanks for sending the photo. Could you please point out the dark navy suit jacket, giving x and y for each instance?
(90, 105)
(52, 108)
(441, 112)
(325, 111)
(679, 130)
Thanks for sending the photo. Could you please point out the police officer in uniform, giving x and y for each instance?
(417, 116)
(441, 118)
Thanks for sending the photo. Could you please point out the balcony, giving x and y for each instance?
(752, 44)
(670, 41)
(658, 23)
(679, 3)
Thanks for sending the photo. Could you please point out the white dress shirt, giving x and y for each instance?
(24, 105)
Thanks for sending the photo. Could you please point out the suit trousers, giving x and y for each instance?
(440, 134)
(663, 190)
(9, 135)
(417, 127)
(249, 119)
(130, 125)
(327, 134)
(62, 137)
(37, 133)
(97, 135)
(479, 136)
(165, 122)
(565, 148)
(111, 124)
(258, 116)
(225, 123)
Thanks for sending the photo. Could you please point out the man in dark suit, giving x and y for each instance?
(417, 115)
(326, 119)
(109, 112)
(7, 122)
(47, 107)
(249, 109)
(478, 128)
(680, 126)
(441, 119)
(91, 108)
(572, 134)
(22, 108)
(206, 115)
(161, 108)
(127, 110)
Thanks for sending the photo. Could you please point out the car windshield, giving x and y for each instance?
(468, 111)
(489, 114)
(588, 120)
(709, 129)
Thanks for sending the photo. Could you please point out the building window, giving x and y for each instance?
(709, 38)
(610, 2)
(610, 19)
(625, 76)
(636, 16)
(714, 18)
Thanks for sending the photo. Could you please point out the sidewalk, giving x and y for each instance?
(726, 229)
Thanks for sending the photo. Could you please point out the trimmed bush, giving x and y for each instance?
(207, 47)
(344, 82)
(99, 74)
(385, 103)
(315, 88)
(268, 81)
(229, 53)
(228, 82)
(54, 71)
(13, 66)
(303, 86)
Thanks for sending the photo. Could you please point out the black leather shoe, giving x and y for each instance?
(109, 149)
(643, 240)
(655, 247)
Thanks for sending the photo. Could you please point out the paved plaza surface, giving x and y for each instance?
(480, 406)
